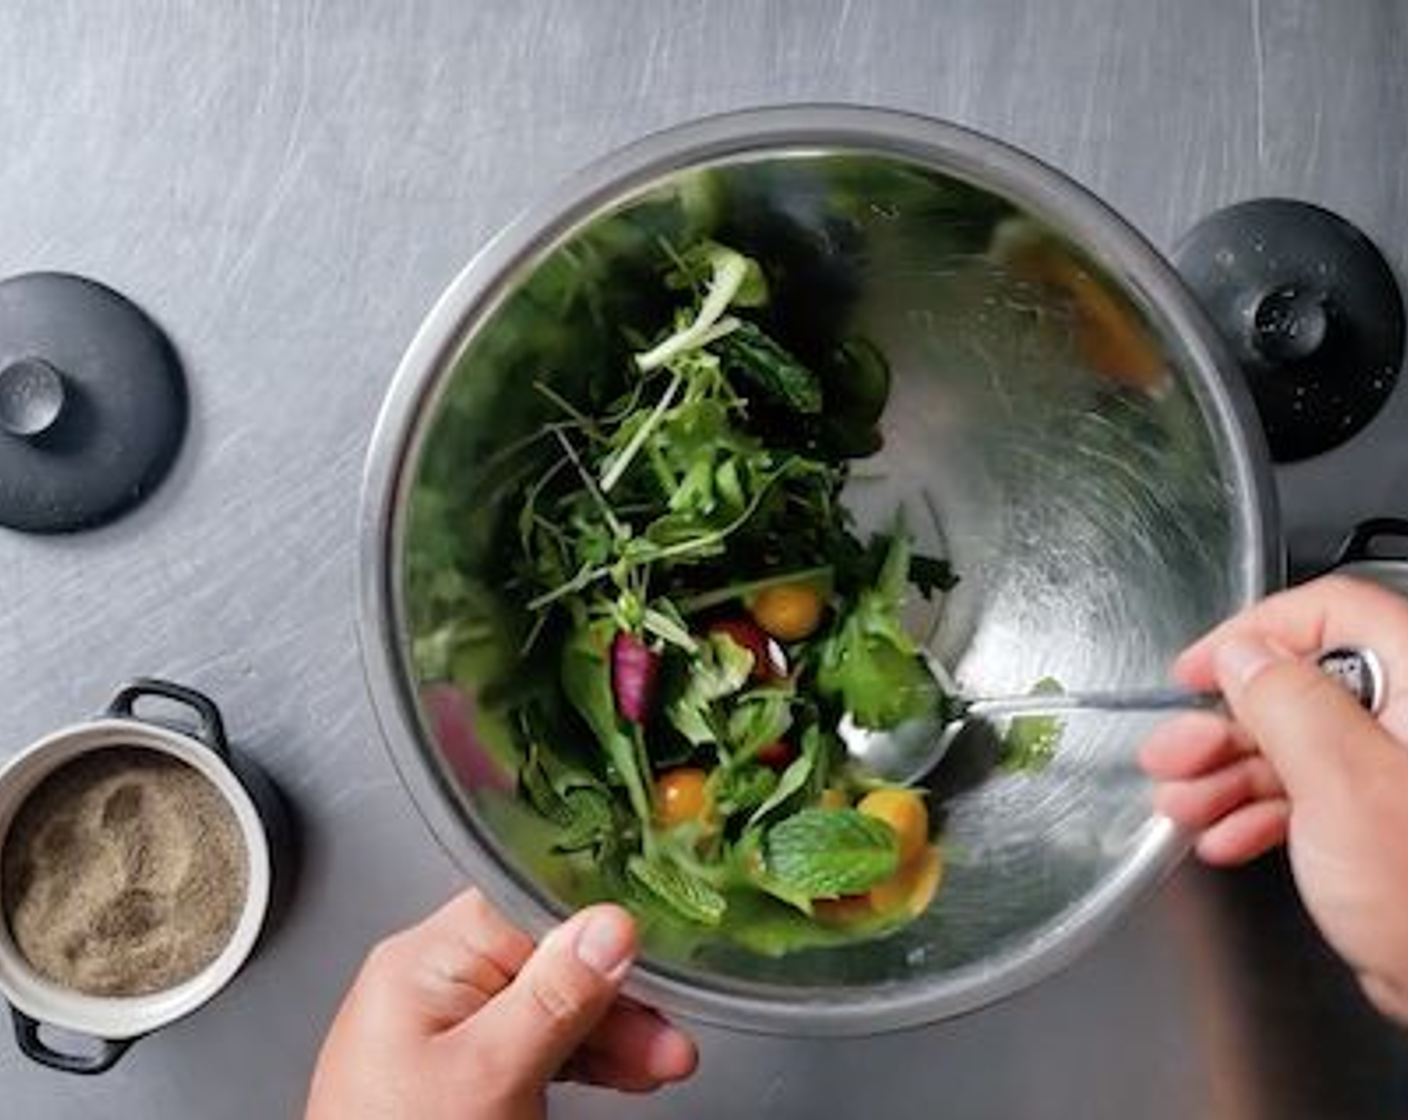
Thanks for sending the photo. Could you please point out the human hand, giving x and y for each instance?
(462, 1018)
(1299, 761)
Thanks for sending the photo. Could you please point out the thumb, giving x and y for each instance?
(1317, 736)
(529, 1030)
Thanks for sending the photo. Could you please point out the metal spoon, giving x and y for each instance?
(905, 753)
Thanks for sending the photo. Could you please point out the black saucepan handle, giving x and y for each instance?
(36, 1049)
(1357, 545)
(212, 727)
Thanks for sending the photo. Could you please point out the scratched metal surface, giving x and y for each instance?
(287, 187)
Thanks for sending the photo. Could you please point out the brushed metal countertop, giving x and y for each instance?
(287, 186)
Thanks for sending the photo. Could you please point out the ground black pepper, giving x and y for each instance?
(123, 873)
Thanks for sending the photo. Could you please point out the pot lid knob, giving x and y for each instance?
(31, 397)
(92, 403)
(1311, 311)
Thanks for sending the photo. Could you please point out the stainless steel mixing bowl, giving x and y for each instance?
(1059, 405)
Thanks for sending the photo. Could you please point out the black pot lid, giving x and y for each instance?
(1311, 310)
(92, 403)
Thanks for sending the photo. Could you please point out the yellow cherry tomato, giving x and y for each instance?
(680, 796)
(788, 611)
(1109, 333)
(833, 798)
(903, 810)
(846, 910)
(910, 889)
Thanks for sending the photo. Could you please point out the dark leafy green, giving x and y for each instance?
(696, 458)
(762, 364)
(930, 575)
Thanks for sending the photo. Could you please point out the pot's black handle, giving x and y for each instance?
(37, 1050)
(212, 727)
(1356, 546)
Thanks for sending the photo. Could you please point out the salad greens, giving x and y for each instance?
(1030, 742)
(681, 554)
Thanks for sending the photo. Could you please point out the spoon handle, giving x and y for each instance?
(1128, 700)
(1358, 670)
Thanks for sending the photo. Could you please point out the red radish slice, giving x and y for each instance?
(777, 755)
(634, 667)
(769, 662)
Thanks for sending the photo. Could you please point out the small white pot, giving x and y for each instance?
(1359, 558)
(117, 1022)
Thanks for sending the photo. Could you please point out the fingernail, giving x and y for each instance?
(672, 1056)
(1238, 660)
(607, 942)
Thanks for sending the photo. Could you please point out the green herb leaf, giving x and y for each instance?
(574, 800)
(794, 778)
(587, 819)
(697, 265)
(880, 683)
(760, 925)
(720, 667)
(824, 853)
(663, 621)
(537, 788)
(733, 277)
(1030, 742)
(759, 717)
(686, 895)
(740, 789)
(868, 662)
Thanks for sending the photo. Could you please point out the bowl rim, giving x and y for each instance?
(466, 303)
(119, 1018)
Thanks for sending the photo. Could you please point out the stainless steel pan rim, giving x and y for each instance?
(418, 384)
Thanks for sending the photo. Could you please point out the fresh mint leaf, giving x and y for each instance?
(824, 853)
(749, 859)
(685, 894)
